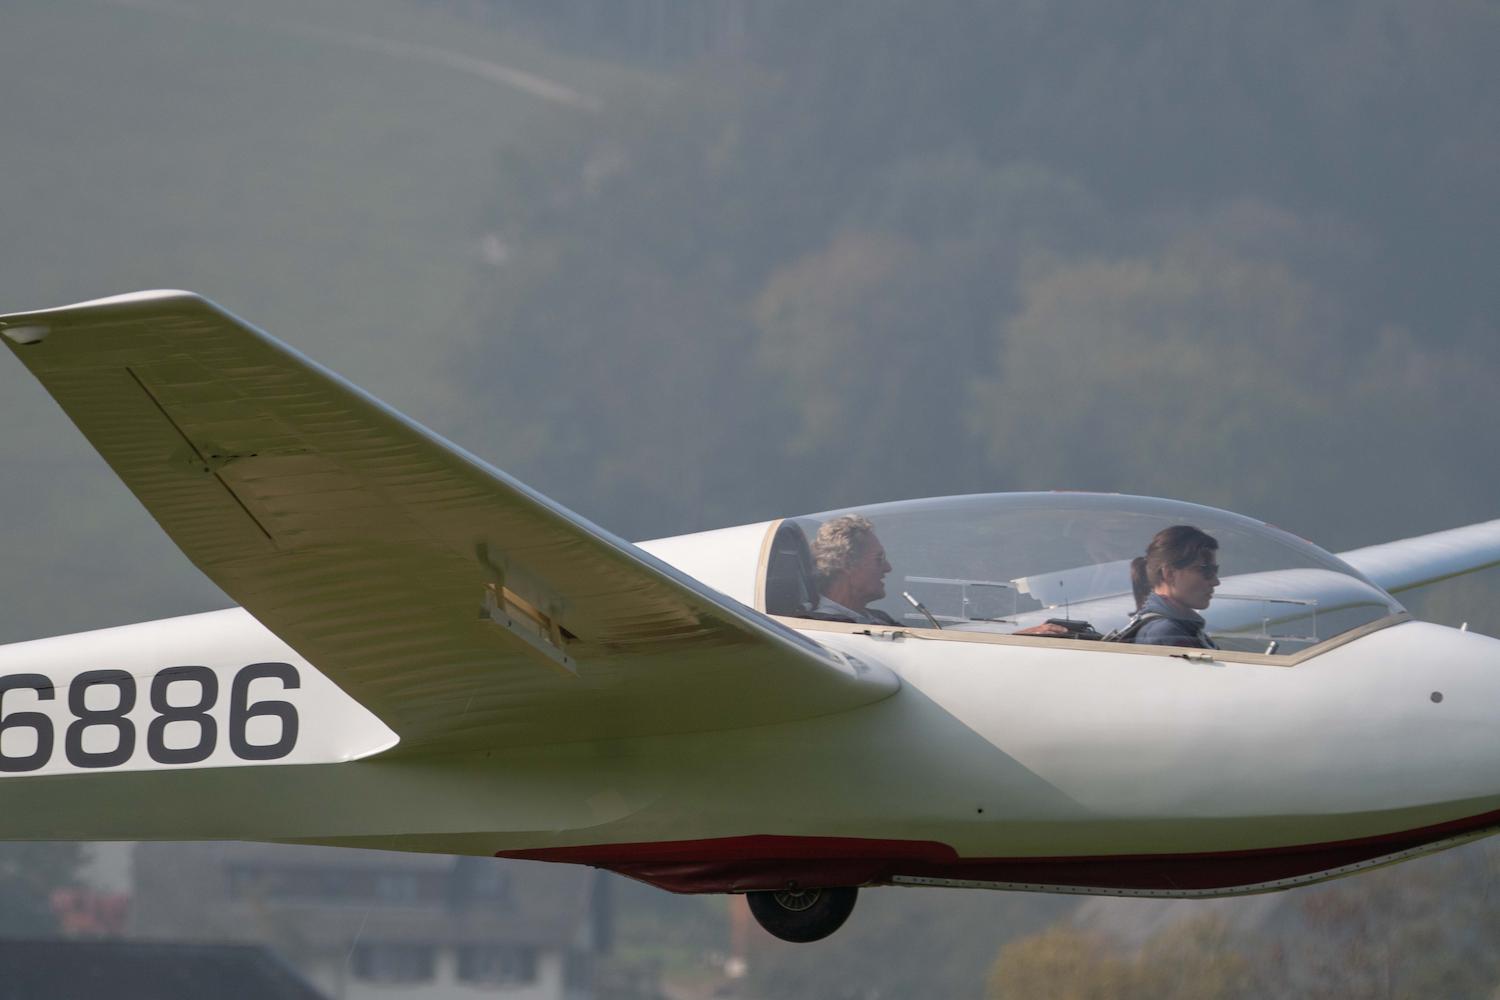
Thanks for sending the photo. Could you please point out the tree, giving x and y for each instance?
(1193, 959)
(1061, 963)
(1214, 374)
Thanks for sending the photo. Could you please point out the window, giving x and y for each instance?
(478, 882)
(398, 886)
(497, 964)
(394, 962)
(999, 563)
(335, 884)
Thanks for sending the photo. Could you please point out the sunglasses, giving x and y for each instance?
(1207, 569)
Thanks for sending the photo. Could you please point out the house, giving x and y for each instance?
(133, 970)
(366, 924)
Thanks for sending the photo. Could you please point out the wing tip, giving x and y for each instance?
(32, 327)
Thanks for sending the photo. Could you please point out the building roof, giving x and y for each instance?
(321, 897)
(130, 970)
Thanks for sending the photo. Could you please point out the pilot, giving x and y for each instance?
(850, 565)
(1174, 581)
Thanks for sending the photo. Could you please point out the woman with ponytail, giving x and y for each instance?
(1173, 581)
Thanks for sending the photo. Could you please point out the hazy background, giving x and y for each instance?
(685, 263)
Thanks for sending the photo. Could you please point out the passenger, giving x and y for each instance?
(850, 566)
(1173, 581)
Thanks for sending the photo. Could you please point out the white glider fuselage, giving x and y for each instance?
(1009, 765)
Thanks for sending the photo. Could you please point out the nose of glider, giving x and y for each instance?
(1451, 706)
(1413, 719)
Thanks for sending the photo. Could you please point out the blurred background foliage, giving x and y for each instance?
(1232, 254)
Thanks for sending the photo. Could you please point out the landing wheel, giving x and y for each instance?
(803, 915)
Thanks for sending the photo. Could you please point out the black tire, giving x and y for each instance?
(802, 915)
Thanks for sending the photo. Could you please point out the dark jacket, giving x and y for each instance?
(829, 610)
(1176, 627)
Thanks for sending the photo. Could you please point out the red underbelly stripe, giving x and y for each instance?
(768, 861)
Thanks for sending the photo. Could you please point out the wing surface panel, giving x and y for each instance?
(1414, 562)
(463, 608)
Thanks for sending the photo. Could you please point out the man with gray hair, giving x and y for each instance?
(851, 566)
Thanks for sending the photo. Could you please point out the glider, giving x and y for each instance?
(430, 656)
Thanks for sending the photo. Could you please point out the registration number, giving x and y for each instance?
(197, 732)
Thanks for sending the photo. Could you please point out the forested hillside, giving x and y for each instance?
(1238, 254)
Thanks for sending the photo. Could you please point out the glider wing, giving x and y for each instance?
(1424, 559)
(463, 608)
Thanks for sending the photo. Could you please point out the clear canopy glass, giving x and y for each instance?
(1001, 563)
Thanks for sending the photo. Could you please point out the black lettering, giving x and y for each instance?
(35, 721)
(241, 712)
(167, 713)
(86, 718)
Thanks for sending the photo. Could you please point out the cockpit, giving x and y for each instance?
(1003, 564)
